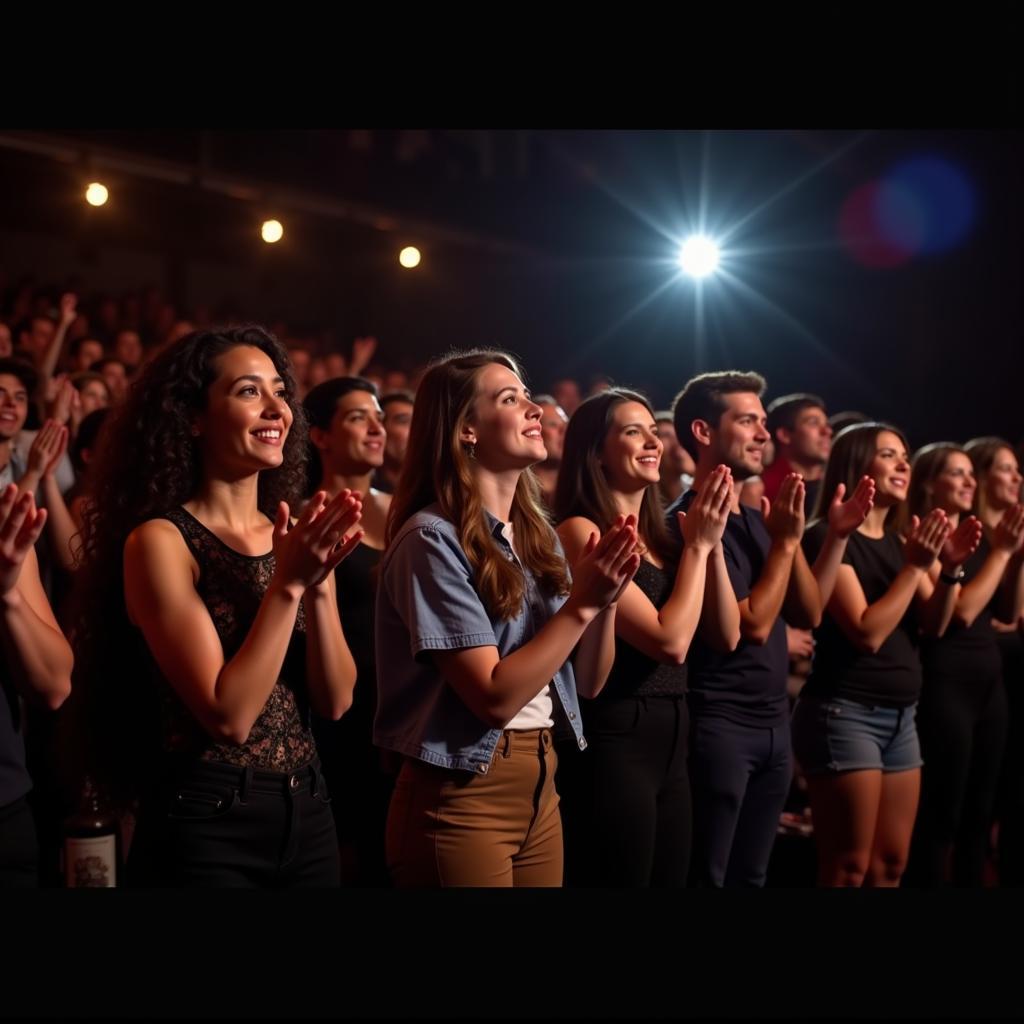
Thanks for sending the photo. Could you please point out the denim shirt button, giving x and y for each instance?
(482, 768)
(572, 716)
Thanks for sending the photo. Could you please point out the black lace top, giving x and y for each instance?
(232, 586)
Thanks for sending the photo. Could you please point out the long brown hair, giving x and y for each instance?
(927, 464)
(582, 488)
(850, 458)
(437, 468)
(983, 452)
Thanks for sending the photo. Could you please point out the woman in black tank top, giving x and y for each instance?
(626, 798)
(347, 439)
(961, 718)
(203, 667)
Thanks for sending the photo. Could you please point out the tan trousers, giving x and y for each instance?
(499, 828)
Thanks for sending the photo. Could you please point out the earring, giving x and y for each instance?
(471, 449)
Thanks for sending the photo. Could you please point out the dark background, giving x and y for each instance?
(557, 245)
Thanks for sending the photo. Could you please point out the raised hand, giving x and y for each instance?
(68, 309)
(308, 552)
(925, 538)
(703, 525)
(961, 544)
(21, 523)
(785, 517)
(606, 566)
(1009, 531)
(48, 446)
(845, 516)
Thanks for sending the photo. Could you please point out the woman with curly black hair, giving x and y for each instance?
(208, 626)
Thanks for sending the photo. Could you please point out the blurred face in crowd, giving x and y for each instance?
(553, 423)
(13, 406)
(810, 440)
(397, 417)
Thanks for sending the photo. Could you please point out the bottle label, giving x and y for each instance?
(90, 863)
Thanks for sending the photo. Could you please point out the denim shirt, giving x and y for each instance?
(427, 601)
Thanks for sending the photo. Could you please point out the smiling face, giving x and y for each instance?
(1002, 483)
(503, 424)
(890, 469)
(953, 488)
(740, 436)
(247, 418)
(631, 453)
(356, 438)
(13, 406)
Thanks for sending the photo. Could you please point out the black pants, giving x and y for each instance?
(19, 850)
(626, 799)
(360, 789)
(1010, 799)
(961, 723)
(741, 776)
(215, 824)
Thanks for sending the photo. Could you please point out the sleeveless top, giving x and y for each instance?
(232, 586)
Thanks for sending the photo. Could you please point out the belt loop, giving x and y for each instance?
(507, 749)
(243, 789)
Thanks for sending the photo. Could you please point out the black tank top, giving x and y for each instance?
(232, 586)
(634, 674)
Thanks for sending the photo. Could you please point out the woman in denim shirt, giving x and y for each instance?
(476, 621)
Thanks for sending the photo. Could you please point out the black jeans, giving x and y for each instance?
(962, 726)
(19, 850)
(215, 824)
(626, 798)
(741, 776)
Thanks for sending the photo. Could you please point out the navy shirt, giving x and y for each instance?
(748, 685)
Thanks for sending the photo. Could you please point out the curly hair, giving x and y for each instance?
(149, 464)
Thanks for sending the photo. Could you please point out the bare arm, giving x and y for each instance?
(843, 518)
(330, 668)
(720, 618)
(495, 689)
(936, 597)
(37, 654)
(68, 312)
(226, 696)
(785, 522)
(868, 626)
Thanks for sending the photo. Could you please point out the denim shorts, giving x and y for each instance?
(832, 735)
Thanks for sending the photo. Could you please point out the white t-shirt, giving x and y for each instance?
(538, 713)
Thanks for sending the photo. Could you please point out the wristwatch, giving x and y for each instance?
(953, 578)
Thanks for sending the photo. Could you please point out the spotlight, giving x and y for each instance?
(96, 194)
(409, 257)
(272, 231)
(699, 256)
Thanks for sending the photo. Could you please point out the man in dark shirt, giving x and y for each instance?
(740, 759)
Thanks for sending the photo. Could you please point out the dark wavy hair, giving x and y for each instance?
(149, 464)
(582, 488)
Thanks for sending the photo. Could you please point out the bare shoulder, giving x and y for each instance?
(574, 533)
